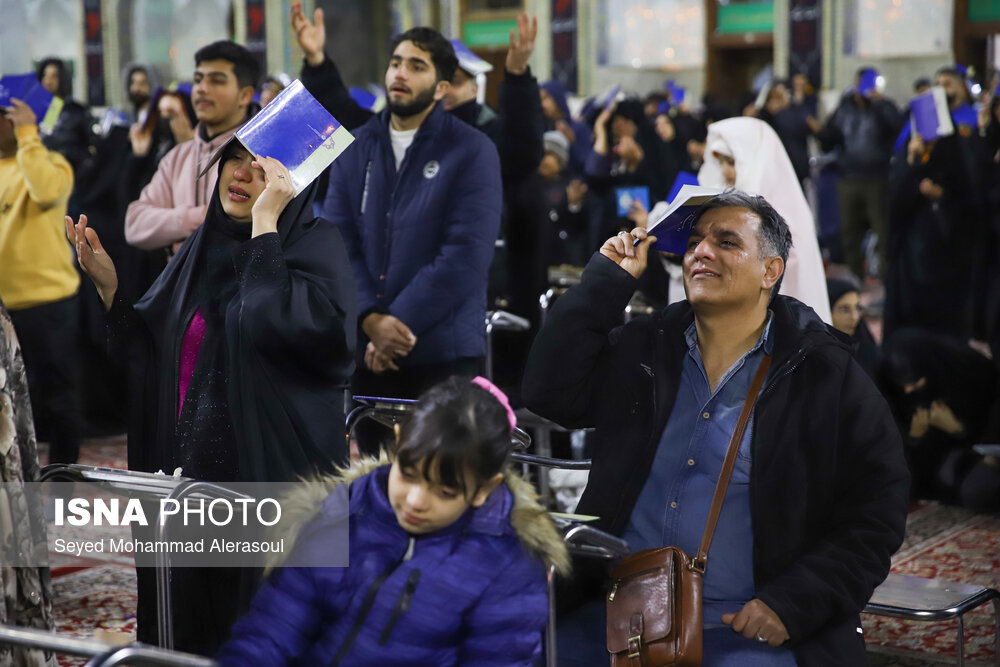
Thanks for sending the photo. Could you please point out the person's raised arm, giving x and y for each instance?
(299, 297)
(521, 145)
(320, 75)
(47, 174)
(566, 370)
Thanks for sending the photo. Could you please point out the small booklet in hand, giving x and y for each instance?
(930, 116)
(627, 196)
(28, 89)
(297, 131)
(673, 227)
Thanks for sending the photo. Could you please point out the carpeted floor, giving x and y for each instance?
(950, 544)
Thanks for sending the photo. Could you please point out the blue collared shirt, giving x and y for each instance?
(673, 506)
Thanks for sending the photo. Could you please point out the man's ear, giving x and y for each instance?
(485, 490)
(772, 272)
(441, 89)
(246, 95)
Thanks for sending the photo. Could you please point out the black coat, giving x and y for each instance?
(828, 482)
(290, 336)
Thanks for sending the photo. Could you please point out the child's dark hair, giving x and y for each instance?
(430, 40)
(457, 426)
(245, 66)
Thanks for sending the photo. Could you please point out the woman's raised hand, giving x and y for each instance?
(278, 191)
(94, 260)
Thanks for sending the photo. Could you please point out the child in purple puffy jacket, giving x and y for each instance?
(448, 548)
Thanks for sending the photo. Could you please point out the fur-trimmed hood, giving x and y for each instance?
(532, 524)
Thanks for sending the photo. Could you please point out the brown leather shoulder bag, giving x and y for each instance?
(654, 605)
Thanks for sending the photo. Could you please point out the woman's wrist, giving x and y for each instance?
(264, 224)
(107, 296)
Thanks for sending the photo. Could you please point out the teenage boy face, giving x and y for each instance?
(217, 96)
(411, 81)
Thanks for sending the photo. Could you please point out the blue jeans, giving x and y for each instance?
(580, 642)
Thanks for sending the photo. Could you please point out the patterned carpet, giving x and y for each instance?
(95, 602)
(952, 544)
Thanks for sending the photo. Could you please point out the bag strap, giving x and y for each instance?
(701, 560)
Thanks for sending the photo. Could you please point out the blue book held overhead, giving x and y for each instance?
(626, 196)
(930, 115)
(28, 89)
(297, 131)
(674, 226)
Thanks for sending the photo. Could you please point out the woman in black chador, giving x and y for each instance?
(239, 353)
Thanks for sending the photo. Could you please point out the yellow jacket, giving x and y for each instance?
(36, 261)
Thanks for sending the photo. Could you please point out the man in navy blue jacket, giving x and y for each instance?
(417, 198)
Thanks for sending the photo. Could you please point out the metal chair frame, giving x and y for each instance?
(101, 654)
(919, 599)
(145, 486)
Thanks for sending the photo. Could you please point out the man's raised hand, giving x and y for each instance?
(622, 250)
(522, 44)
(311, 36)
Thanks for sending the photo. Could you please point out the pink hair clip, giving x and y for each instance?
(499, 395)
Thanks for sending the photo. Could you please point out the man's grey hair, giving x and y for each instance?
(774, 238)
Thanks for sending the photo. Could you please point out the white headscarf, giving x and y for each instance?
(763, 168)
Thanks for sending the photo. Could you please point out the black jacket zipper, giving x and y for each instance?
(368, 603)
(402, 605)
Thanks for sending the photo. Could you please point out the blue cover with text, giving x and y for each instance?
(28, 89)
(297, 131)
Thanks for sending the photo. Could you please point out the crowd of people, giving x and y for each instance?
(226, 322)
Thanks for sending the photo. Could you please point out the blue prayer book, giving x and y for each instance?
(626, 196)
(869, 81)
(468, 60)
(676, 92)
(674, 226)
(297, 131)
(28, 89)
(683, 178)
(930, 115)
(364, 98)
(612, 97)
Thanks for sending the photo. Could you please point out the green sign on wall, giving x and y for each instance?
(745, 17)
(487, 33)
(984, 10)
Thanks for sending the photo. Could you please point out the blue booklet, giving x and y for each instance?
(468, 60)
(297, 131)
(869, 81)
(676, 92)
(28, 89)
(364, 98)
(930, 116)
(612, 97)
(683, 178)
(626, 196)
(674, 226)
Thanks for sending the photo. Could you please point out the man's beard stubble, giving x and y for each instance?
(418, 105)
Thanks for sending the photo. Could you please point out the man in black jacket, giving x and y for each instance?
(817, 503)
(863, 129)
